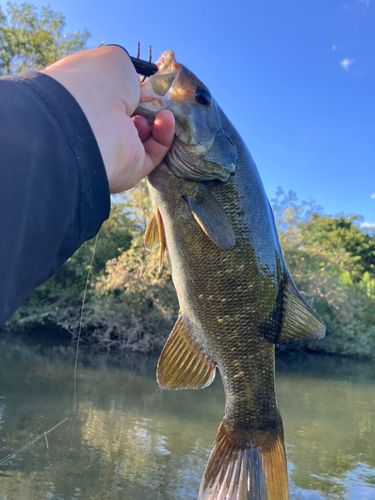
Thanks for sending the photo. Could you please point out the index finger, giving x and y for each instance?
(157, 146)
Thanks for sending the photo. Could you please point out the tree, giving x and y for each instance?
(331, 260)
(30, 40)
(335, 233)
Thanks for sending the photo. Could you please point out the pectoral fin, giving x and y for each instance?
(155, 235)
(183, 364)
(299, 320)
(211, 217)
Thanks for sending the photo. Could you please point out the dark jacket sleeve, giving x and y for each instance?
(54, 192)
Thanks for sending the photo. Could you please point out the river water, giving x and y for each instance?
(133, 441)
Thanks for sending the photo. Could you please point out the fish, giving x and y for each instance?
(212, 218)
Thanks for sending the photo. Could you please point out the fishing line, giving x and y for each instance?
(47, 445)
(44, 434)
(78, 341)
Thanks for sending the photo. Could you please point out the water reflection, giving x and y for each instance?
(133, 441)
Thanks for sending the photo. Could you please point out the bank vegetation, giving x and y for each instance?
(130, 306)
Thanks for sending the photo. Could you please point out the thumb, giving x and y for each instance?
(157, 141)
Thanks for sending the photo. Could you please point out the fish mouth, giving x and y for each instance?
(167, 62)
(153, 90)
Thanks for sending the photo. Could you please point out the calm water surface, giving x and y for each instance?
(132, 441)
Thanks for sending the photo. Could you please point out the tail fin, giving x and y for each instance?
(246, 466)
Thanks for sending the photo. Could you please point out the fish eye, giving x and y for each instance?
(202, 96)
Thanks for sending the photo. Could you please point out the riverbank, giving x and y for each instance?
(54, 336)
(130, 306)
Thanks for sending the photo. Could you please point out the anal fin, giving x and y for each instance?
(183, 364)
(299, 320)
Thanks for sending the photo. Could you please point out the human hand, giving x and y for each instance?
(106, 86)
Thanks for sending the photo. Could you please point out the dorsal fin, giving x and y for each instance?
(155, 235)
(183, 364)
(299, 320)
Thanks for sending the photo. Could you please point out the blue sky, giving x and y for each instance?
(296, 78)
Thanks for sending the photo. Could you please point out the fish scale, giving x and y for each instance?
(237, 299)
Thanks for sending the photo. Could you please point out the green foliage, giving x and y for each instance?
(134, 306)
(367, 284)
(335, 233)
(30, 40)
(131, 306)
(58, 300)
(332, 261)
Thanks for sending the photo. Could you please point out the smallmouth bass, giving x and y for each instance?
(237, 300)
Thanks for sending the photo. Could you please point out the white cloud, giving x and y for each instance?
(367, 225)
(372, 197)
(345, 63)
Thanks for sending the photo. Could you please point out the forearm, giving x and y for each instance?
(54, 191)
